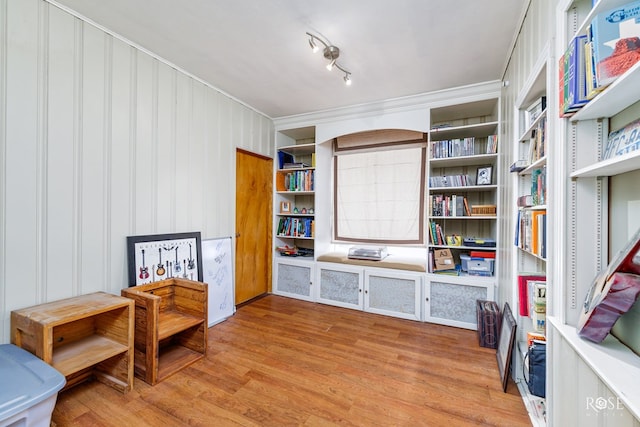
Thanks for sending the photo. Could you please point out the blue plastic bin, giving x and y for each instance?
(28, 388)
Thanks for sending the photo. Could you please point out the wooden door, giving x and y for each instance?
(253, 224)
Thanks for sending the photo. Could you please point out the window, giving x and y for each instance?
(379, 193)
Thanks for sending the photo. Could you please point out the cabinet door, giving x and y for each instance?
(454, 304)
(294, 278)
(340, 285)
(393, 293)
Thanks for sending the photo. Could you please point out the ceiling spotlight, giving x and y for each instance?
(314, 46)
(331, 53)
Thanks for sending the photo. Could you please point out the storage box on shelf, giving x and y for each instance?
(171, 326)
(463, 179)
(88, 336)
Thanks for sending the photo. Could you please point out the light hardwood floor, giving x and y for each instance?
(284, 362)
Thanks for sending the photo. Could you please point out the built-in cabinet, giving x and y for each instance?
(376, 290)
(462, 139)
(592, 384)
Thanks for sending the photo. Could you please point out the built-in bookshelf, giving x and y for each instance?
(295, 183)
(599, 225)
(529, 178)
(463, 184)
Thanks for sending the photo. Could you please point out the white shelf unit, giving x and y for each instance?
(295, 226)
(477, 120)
(607, 371)
(527, 260)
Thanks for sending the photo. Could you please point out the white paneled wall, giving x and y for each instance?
(100, 140)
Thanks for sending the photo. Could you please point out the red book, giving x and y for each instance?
(523, 300)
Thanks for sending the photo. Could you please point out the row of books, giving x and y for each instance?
(453, 148)
(296, 227)
(539, 186)
(596, 59)
(302, 180)
(532, 299)
(538, 141)
(451, 205)
(531, 232)
(461, 147)
(462, 180)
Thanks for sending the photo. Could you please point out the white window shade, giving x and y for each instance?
(379, 196)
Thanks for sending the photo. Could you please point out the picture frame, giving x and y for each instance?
(285, 207)
(156, 257)
(484, 175)
(506, 340)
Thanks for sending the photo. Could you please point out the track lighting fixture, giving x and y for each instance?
(331, 53)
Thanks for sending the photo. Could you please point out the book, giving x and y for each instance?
(623, 141)
(523, 299)
(575, 84)
(616, 41)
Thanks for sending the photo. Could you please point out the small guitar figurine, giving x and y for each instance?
(160, 271)
(612, 293)
(144, 270)
(192, 262)
(176, 266)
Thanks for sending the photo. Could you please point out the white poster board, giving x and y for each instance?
(217, 267)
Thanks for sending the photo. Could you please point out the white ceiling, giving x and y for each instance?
(257, 52)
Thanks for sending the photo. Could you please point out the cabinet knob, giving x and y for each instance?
(427, 299)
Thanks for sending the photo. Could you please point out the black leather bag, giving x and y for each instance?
(536, 359)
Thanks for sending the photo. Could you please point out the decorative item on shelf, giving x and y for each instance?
(285, 207)
(303, 211)
(295, 210)
(311, 211)
(454, 240)
(483, 210)
(616, 41)
(623, 141)
(518, 165)
(330, 52)
(612, 293)
(484, 175)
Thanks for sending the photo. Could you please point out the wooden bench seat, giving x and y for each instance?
(391, 261)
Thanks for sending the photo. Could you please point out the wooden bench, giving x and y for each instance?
(170, 326)
(391, 261)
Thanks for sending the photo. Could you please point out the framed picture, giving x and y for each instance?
(484, 175)
(506, 340)
(285, 207)
(156, 257)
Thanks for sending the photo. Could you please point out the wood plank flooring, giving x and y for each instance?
(284, 362)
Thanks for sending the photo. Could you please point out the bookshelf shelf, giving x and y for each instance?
(610, 167)
(463, 188)
(463, 218)
(526, 135)
(299, 149)
(469, 248)
(464, 131)
(616, 97)
(606, 360)
(473, 160)
(535, 165)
